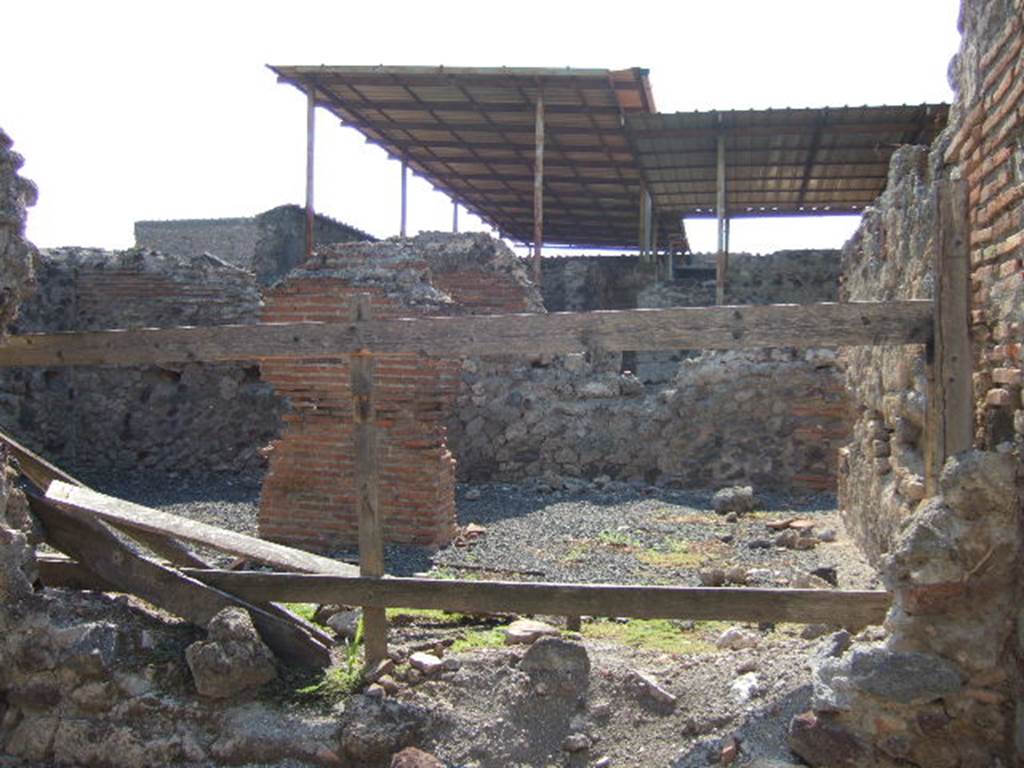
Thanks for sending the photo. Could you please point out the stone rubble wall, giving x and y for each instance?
(191, 418)
(774, 418)
(269, 244)
(308, 496)
(944, 689)
(587, 283)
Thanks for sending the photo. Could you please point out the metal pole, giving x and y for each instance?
(310, 135)
(405, 210)
(722, 257)
(455, 216)
(538, 188)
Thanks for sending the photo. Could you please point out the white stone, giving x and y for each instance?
(427, 663)
(737, 638)
(527, 631)
(745, 687)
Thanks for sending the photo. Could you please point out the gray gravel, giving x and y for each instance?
(613, 534)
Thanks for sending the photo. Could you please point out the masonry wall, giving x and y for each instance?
(944, 688)
(193, 418)
(775, 418)
(586, 283)
(700, 420)
(307, 496)
(269, 244)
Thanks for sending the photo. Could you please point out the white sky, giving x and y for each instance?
(160, 110)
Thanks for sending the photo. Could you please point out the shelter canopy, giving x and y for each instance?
(777, 161)
(471, 133)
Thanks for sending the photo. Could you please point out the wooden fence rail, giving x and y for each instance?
(851, 609)
(739, 327)
(720, 327)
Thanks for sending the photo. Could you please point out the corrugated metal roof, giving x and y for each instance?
(778, 161)
(470, 132)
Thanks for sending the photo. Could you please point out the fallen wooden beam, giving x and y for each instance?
(88, 540)
(139, 518)
(777, 325)
(41, 473)
(852, 609)
(63, 572)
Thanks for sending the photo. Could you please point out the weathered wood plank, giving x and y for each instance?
(950, 415)
(63, 572)
(41, 473)
(137, 517)
(88, 540)
(366, 479)
(775, 325)
(812, 606)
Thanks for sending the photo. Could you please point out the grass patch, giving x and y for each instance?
(618, 539)
(695, 518)
(658, 635)
(578, 551)
(679, 554)
(302, 610)
(475, 639)
(340, 682)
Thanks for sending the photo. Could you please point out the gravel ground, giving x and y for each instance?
(485, 715)
(615, 534)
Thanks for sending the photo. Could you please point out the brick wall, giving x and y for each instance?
(307, 496)
(988, 147)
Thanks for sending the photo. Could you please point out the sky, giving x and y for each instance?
(158, 110)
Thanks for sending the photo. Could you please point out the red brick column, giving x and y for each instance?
(307, 497)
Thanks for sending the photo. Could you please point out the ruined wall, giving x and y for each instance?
(774, 418)
(192, 418)
(586, 283)
(269, 244)
(944, 688)
(231, 239)
(307, 496)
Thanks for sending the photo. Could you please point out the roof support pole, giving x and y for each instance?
(405, 200)
(722, 257)
(455, 216)
(310, 136)
(538, 187)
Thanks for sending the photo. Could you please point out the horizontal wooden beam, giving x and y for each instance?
(726, 327)
(810, 606)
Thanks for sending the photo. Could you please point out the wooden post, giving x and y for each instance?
(949, 426)
(310, 136)
(722, 257)
(455, 216)
(538, 187)
(366, 473)
(405, 210)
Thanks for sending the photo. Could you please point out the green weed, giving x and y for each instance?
(657, 635)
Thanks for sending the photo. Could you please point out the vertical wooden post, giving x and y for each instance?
(365, 479)
(722, 257)
(455, 216)
(310, 136)
(538, 187)
(949, 426)
(641, 232)
(405, 201)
